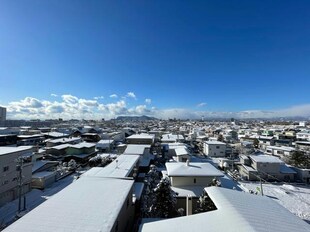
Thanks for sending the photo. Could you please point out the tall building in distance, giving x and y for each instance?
(2, 114)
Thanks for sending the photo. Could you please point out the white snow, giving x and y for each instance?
(295, 198)
(193, 169)
(34, 198)
(89, 204)
(236, 211)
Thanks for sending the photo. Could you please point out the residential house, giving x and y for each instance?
(141, 139)
(235, 211)
(259, 165)
(281, 152)
(190, 178)
(214, 149)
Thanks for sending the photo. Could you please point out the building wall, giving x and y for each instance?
(139, 141)
(2, 114)
(215, 150)
(191, 180)
(125, 218)
(9, 175)
(270, 168)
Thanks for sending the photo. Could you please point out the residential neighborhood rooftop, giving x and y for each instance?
(192, 169)
(89, 204)
(236, 211)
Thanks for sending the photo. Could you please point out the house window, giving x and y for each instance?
(194, 180)
(217, 147)
(6, 168)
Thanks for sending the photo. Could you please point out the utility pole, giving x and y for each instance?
(261, 187)
(19, 168)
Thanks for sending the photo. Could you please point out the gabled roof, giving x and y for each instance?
(119, 168)
(137, 149)
(141, 136)
(88, 204)
(193, 169)
(236, 211)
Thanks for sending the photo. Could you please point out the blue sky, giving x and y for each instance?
(187, 57)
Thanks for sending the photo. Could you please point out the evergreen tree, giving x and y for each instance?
(164, 204)
(299, 159)
(151, 181)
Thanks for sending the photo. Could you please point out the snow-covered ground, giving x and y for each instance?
(34, 198)
(295, 198)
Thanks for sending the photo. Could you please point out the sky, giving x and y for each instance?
(183, 59)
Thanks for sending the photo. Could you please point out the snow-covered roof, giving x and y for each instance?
(176, 145)
(119, 168)
(60, 147)
(137, 149)
(215, 143)
(88, 204)
(82, 145)
(65, 140)
(172, 137)
(141, 136)
(236, 211)
(181, 151)
(265, 159)
(193, 169)
(184, 191)
(282, 148)
(9, 150)
(55, 134)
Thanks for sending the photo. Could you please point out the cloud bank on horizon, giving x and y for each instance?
(68, 107)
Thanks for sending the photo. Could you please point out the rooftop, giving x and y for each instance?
(85, 205)
(193, 169)
(119, 168)
(215, 143)
(236, 211)
(141, 136)
(136, 149)
(265, 159)
(281, 148)
(9, 150)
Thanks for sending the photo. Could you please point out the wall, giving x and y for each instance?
(125, 218)
(183, 181)
(8, 179)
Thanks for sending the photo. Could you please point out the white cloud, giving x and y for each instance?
(67, 98)
(73, 107)
(54, 95)
(131, 95)
(201, 104)
(99, 97)
(148, 101)
(113, 96)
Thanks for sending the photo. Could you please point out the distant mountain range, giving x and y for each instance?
(135, 118)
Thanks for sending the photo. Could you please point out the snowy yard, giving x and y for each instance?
(33, 199)
(295, 198)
